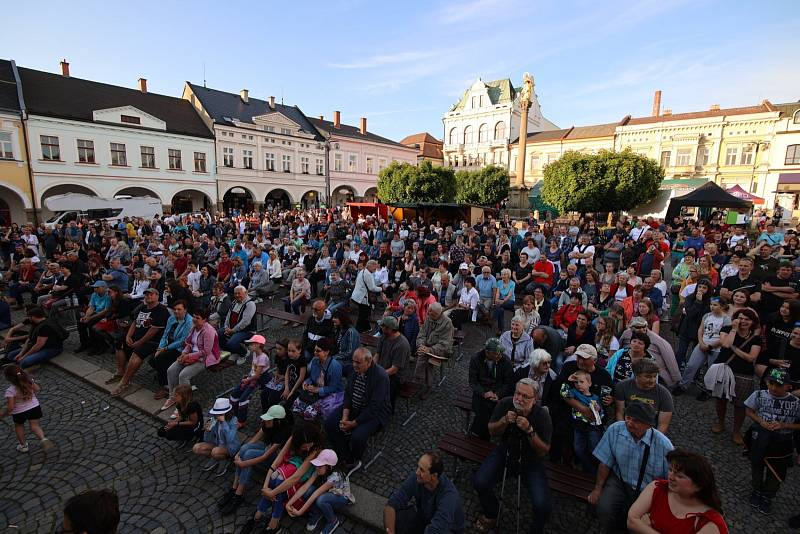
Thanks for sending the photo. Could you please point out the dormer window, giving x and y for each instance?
(130, 119)
(796, 119)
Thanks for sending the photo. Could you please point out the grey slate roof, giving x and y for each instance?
(222, 106)
(8, 87)
(54, 95)
(345, 130)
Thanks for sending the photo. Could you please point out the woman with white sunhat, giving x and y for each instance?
(220, 441)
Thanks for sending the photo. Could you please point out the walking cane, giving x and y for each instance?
(502, 489)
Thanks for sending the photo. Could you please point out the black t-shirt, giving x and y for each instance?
(293, 367)
(771, 302)
(732, 283)
(522, 272)
(540, 421)
(600, 378)
(277, 435)
(738, 365)
(53, 335)
(764, 268)
(778, 335)
(73, 283)
(145, 317)
(193, 407)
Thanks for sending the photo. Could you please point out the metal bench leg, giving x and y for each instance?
(444, 375)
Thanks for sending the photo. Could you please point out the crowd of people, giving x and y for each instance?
(592, 332)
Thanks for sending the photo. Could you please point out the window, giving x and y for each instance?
(175, 160)
(304, 165)
(534, 161)
(474, 102)
(128, 119)
(683, 157)
(381, 164)
(483, 133)
(337, 162)
(119, 158)
(227, 156)
(453, 136)
(269, 128)
(199, 162)
(5, 146)
(50, 149)
(730, 155)
(85, 151)
(499, 131)
(792, 155)
(148, 157)
(352, 163)
(370, 165)
(665, 157)
(269, 161)
(468, 135)
(320, 169)
(550, 159)
(286, 131)
(247, 159)
(480, 101)
(287, 163)
(796, 118)
(747, 155)
(702, 155)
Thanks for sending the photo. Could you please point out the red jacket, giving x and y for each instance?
(566, 315)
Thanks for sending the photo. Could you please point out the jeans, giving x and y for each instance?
(683, 348)
(533, 477)
(177, 373)
(295, 306)
(278, 505)
(499, 314)
(33, 358)
(696, 361)
(248, 452)
(612, 508)
(585, 439)
(16, 290)
(240, 398)
(234, 343)
(326, 506)
(350, 446)
(333, 306)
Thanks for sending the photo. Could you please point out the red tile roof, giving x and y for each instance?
(764, 107)
(429, 146)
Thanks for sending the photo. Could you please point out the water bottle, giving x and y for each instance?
(74, 299)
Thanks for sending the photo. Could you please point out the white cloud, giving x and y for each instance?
(459, 12)
(384, 60)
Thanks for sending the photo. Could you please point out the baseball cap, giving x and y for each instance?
(586, 351)
(326, 457)
(641, 412)
(275, 412)
(151, 290)
(463, 266)
(777, 375)
(493, 345)
(100, 283)
(257, 339)
(390, 321)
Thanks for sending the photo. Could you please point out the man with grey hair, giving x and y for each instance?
(239, 323)
(365, 410)
(434, 344)
(574, 287)
(524, 428)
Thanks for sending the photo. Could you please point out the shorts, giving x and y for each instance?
(33, 414)
(144, 352)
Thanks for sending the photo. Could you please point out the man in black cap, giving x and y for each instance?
(491, 378)
(632, 454)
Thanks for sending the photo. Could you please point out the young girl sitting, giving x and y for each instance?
(588, 418)
(327, 498)
(189, 422)
(23, 406)
(258, 375)
(220, 441)
(271, 394)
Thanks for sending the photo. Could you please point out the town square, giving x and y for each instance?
(443, 267)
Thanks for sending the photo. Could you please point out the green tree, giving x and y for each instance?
(608, 181)
(402, 182)
(486, 186)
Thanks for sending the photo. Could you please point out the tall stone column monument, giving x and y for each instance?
(518, 194)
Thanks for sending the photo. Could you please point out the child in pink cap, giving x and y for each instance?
(254, 380)
(332, 493)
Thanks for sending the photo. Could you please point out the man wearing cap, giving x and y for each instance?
(632, 454)
(437, 504)
(434, 344)
(660, 350)
(366, 409)
(393, 353)
(116, 275)
(99, 307)
(491, 379)
(644, 387)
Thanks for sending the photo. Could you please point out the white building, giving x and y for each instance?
(104, 140)
(783, 181)
(480, 126)
(268, 154)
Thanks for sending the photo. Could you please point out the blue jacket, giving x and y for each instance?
(377, 404)
(409, 327)
(440, 509)
(223, 435)
(333, 376)
(179, 336)
(348, 341)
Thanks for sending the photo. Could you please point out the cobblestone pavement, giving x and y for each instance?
(162, 490)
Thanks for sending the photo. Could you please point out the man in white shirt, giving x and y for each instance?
(193, 277)
(532, 251)
(638, 231)
(582, 254)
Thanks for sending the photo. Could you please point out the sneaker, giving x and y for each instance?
(232, 505)
(47, 444)
(275, 530)
(114, 379)
(174, 414)
(225, 499)
(22, 447)
(330, 528)
(755, 500)
(311, 526)
(765, 506)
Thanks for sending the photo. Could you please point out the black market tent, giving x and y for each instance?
(447, 212)
(708, 195)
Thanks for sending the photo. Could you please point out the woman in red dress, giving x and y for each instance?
(686, 503)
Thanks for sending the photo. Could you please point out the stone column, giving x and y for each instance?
(525, 97)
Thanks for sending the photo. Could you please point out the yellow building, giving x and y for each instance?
(783, 178)
(15, 192)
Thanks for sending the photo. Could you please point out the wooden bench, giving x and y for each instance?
(560, 479)
(273, 313)
(463, 403)
(458, 340)
(368, 340)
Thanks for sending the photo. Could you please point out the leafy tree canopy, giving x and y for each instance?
(487, 186)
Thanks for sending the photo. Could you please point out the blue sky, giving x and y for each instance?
(403, 64)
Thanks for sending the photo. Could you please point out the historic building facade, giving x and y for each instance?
(427, 146)
(16, 198)
(783, 176)
(480, 126)
(356, 156)
(104, 140)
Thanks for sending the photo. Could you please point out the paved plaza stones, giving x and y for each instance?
(105, 442)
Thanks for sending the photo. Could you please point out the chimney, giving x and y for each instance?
(64, 68)
(363, 126)
(714, 107)
(143, 85)
(337, 119)
(272, 102)
(657, 103)
(667, 113)
(244, 95)
(322, 117)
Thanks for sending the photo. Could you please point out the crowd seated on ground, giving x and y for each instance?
(586, 334)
